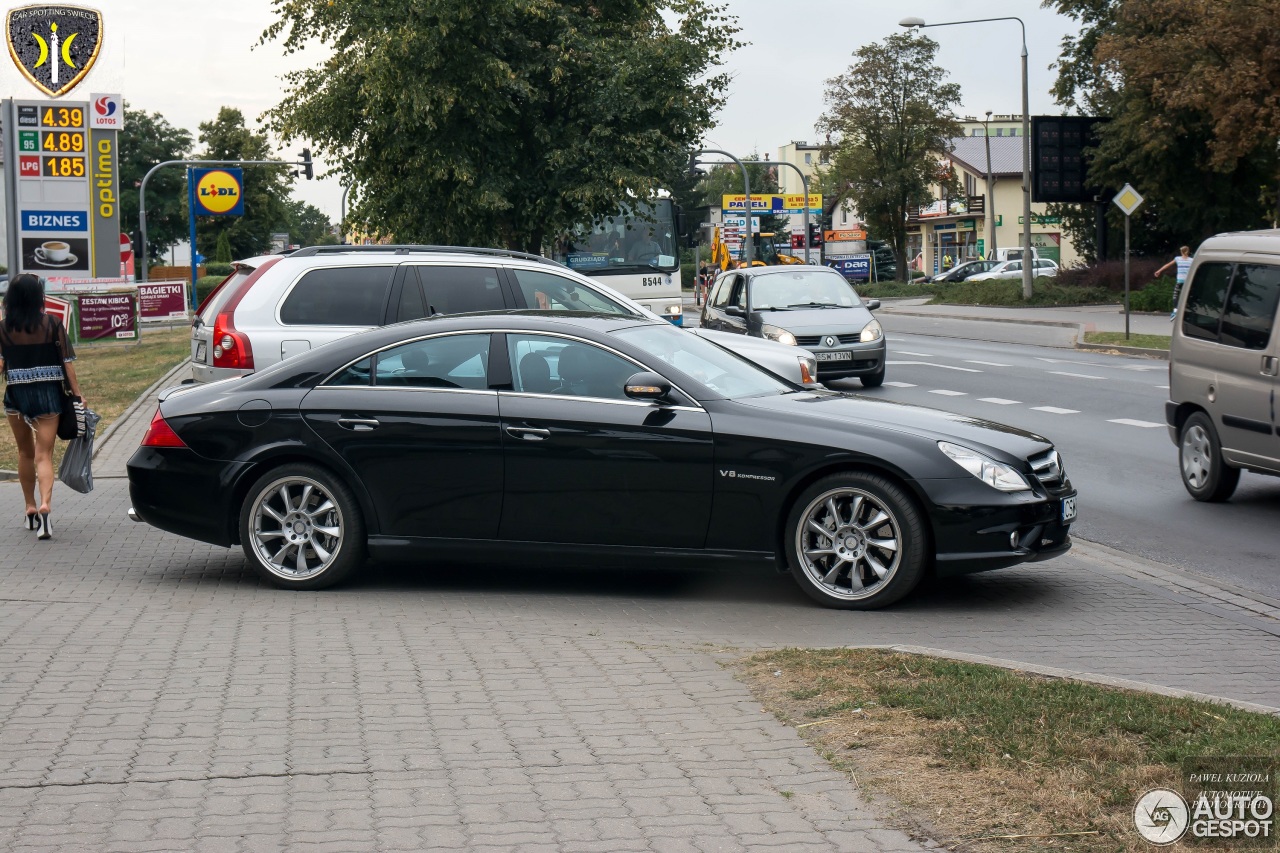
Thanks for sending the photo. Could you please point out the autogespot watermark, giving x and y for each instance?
(1224, 802)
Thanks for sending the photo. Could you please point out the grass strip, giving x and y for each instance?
(1118, 339)
(988, 759)
(113, 375)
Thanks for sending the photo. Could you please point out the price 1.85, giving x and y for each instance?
(64, 167)
(63, 141)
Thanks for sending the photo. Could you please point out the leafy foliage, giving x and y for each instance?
(889, 116)
(145, 140)
(501, 122)
(266, 188)
(307, 224)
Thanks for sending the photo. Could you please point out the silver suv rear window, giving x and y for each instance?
(223, 294)
(338, 296)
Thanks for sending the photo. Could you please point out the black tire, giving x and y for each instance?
(320, 516)
(1206, 476)
(874, 380)
(828, 578)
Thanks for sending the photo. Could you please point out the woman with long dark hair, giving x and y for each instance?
(35, 356)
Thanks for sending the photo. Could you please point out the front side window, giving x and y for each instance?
(457, 290)
(1206, 295)
(412, 306)
(550, 292)
(447, 361)
(724, 289)
(547, 365)
(716, 368)
(357, 374)
(1250, 311)
(338, 296)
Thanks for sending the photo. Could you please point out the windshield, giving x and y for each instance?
(716, 368)
(640, 237)
(802, 289)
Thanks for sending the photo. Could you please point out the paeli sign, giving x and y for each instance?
(104, 316)
(162, 300)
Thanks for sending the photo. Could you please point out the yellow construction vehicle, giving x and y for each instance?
(764, 252)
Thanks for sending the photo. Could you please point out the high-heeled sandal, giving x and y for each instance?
(32, 523)
(46, 532)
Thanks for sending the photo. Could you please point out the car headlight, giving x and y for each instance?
(674, 310)
(782, 336)
(995, 474)
(871, 332)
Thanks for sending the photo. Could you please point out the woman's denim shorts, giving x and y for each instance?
(33, 400)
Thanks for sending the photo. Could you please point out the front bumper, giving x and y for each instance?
(864, 360)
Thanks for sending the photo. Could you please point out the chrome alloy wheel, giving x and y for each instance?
(1197, 456)
(297, 528)
(849, 543)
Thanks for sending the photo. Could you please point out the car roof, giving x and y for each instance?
(1265, 241)
(786, 268)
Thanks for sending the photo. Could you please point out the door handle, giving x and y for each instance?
(359, 424)
(1270, 365)
(528, 433)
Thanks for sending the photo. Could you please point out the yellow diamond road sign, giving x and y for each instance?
(1128, 200)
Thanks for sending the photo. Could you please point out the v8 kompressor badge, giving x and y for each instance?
(54, 45)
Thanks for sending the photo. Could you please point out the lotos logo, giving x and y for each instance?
(105, 106)
(218, 192)
(107, 112)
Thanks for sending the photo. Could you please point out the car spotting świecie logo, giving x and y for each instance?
(54, 46)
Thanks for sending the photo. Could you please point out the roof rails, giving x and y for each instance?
(407, 249)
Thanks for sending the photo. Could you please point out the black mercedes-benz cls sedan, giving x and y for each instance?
(575, 439)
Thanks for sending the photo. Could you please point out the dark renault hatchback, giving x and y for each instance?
(580, 439)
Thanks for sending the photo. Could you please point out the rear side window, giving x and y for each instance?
(412, 306)
(338, 296)
(1206, 295)
(456, 290)
(450, 361)
(1250, 311)
(209, 310)
(555, 292)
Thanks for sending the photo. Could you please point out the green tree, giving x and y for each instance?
(146, 140)
(888, 121)
(1188, 87)
(222, 251)
(501, 122)
(307, 225)
(727, 180)
(266, 188)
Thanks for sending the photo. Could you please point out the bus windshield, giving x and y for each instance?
(641, 237)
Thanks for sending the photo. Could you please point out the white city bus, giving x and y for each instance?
(637, 253)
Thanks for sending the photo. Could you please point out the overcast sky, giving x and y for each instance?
(187, 58)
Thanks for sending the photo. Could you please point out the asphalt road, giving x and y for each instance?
(1106, 415)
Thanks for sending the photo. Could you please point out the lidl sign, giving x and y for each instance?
(218, 192)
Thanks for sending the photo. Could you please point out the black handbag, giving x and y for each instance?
(71, 419)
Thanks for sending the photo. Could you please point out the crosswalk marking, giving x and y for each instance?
(987, 363)
(931, 364)
(1076, 375)
(999, 401)
(947, 393)
(900, 384)
(1054, 410)
(1132, 422)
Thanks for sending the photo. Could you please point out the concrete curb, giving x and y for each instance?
(141, 400)
(1112, 349)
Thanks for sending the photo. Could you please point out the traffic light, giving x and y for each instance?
(307, 170)
(815, 235)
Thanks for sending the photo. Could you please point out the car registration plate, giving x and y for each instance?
(1068, 509)
(834, 356)
(200, 347)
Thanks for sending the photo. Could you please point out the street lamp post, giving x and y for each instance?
(990, 215)
(746, 189)
(1027, 264)
(804, 183)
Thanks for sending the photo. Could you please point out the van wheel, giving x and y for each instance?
(1204, 473)
(856, 542)
(301, 528)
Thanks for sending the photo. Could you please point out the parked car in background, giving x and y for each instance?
(1044, 268)
(513, 438)
(809, 306)
(275, 306)
(962, 271)
(1224, 364)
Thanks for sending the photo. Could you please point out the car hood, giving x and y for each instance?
(856, 410)
(817, 319)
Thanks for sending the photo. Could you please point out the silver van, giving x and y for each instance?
(1223, 364)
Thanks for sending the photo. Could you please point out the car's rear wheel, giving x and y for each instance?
(1204, 473)
(301, 528)
(856, 541)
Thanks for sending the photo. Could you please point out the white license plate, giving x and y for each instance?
(1068, 509)
(200, 345)
(834, 356)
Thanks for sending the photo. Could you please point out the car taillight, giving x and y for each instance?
(160, 434)
(230, 348)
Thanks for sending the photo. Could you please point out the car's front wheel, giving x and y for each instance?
(874, 380)
(856, 541)
(301, 528)
(1204, 473)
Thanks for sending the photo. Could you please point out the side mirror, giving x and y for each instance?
(873, 304)
(734, 310)
(647, 386)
